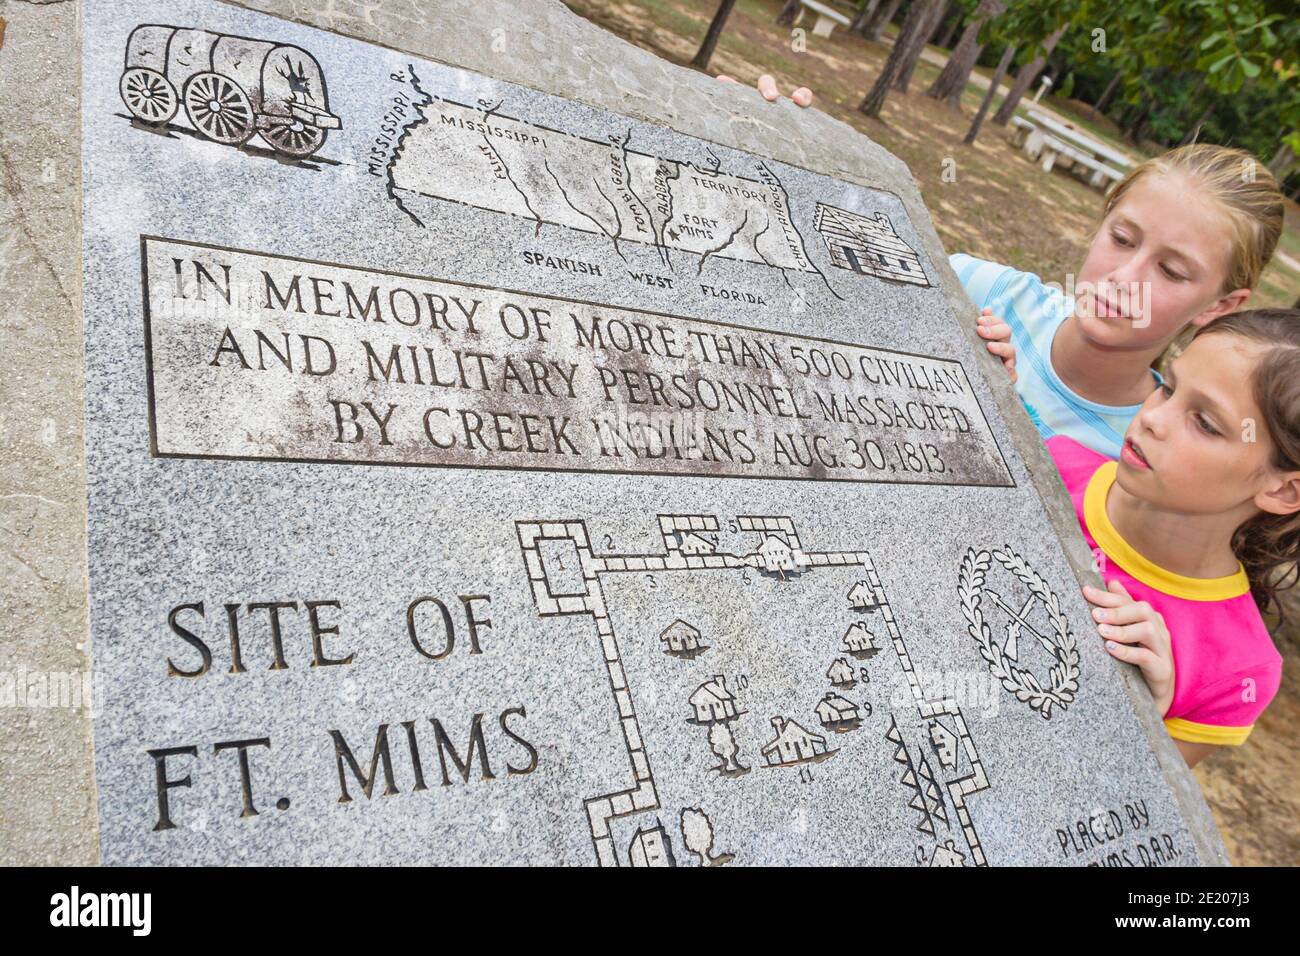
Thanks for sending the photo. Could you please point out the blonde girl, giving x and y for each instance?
(1183, 240)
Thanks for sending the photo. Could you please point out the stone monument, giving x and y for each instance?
(505, 447)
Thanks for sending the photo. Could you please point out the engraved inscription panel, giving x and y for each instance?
(262, 356)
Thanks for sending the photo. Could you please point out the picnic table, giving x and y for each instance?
(826, 17)
(1047, 141)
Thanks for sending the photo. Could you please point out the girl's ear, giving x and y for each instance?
(1231, 302)
(1282, 498)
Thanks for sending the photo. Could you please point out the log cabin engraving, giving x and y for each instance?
(861, 597)
(712, 702)
(841, 675)
(868, 246)
(838, 714)
(794, 744)
(651, 847)
(682, 641)
(859, 642)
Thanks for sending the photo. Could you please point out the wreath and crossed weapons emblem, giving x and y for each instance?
(1003, 659)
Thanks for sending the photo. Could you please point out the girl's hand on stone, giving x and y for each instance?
(998, 338)
(1135, 632)
(771, 92)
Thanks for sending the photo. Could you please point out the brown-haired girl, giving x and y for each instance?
(1199, 523)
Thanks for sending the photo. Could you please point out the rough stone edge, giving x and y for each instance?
(659, 93)
(47, 783)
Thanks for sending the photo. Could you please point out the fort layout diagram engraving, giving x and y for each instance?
(734, 731)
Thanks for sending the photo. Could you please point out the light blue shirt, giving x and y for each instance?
(1035, 312)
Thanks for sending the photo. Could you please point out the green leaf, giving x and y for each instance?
(1234, 78)
(1221, 62)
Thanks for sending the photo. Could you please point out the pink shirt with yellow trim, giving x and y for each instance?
(1226, 668)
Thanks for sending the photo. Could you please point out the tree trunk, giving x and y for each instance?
(1056, 66)
(1136, 119)
(954, 23)
(1129, 132)
(1128, 119)
(1025, 77)
(923, 37)
(1106, 94)
(1143, 127)
(951, 82)
(883, 16)
(1195, 131)
(917, 15)
(1282, 161)
(998, 74)
(863, 16)
(701, 61)
(788, 12)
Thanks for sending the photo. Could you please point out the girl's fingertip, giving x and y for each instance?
(1112, 646)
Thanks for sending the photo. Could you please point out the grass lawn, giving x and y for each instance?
(1001, 207)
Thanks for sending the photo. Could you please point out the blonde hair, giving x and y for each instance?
(1241, 184)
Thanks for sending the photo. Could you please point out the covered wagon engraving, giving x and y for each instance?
(229, 88)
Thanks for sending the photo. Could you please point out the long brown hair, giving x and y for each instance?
(1268, 545)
